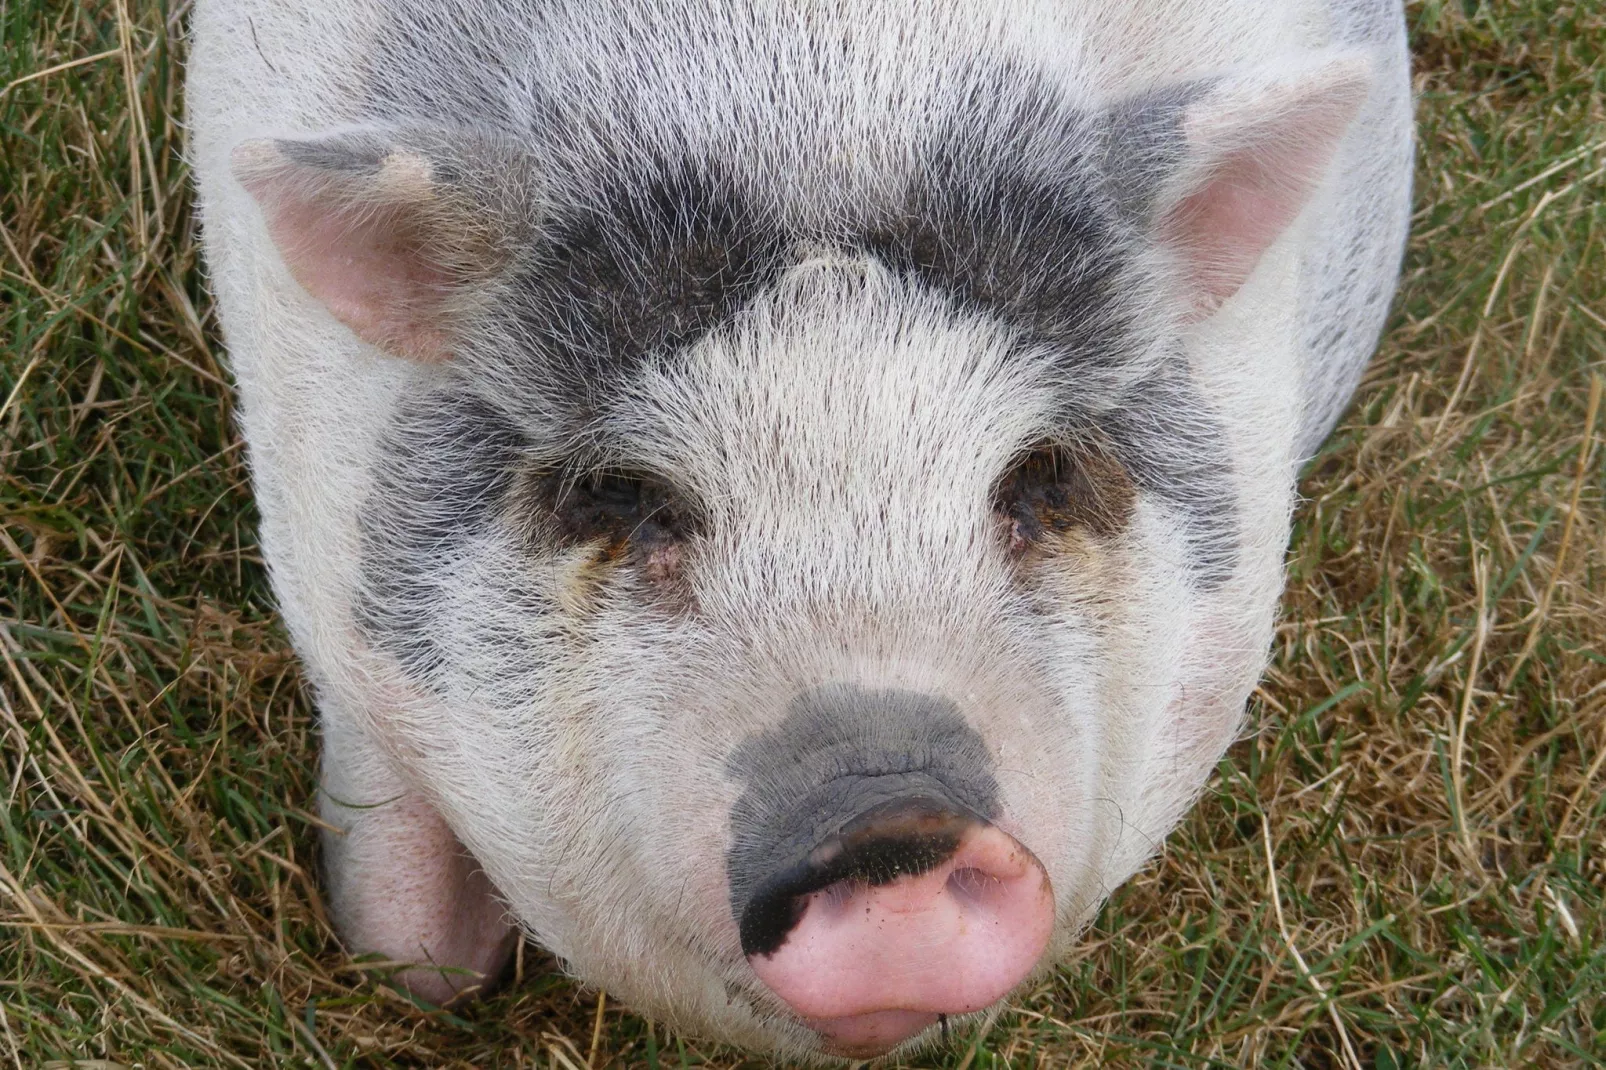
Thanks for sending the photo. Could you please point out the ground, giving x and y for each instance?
(1403, 865)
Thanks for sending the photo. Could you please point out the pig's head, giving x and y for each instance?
(809, 572)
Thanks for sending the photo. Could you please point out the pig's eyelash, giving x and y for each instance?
(588, 505)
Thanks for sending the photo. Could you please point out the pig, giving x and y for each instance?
(783, 502)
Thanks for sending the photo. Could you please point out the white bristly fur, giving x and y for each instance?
(844, 433)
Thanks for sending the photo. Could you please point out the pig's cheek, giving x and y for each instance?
(581, 576)
(1085, 582)
(395, 713)
(577, 578)
(1133, 607)
(1222, 645)
(1238, 630)
(1094, 584)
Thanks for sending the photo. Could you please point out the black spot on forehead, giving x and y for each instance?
(1008, 216)
(648, 264)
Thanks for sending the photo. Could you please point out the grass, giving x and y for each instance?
(1404, 865)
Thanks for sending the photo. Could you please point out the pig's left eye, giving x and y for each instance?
(620, 507)
(1055, 488)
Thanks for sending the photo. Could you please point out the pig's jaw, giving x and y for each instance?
(865, 1036)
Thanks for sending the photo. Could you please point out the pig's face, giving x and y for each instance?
(808, 608)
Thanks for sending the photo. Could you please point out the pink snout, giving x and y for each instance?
(869, 965)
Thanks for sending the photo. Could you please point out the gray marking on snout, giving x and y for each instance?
(840, 752)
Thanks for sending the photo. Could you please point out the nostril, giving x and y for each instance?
(892, 844)
(833, 899)
(972, 885)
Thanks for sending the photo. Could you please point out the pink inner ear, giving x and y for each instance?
(1251, 193)
(1227, 226)
(365, 259)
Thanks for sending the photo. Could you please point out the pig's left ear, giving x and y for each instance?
(1253, 151)
(395, 236)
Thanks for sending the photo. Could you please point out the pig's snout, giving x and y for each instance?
(911, 912)
(871, 885)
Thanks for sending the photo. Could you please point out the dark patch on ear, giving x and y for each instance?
(1142, 146)
(350, 155)
(843, 752)
(447, 463)
(643, 268)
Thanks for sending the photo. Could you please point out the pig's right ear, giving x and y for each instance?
(1246, 155)
(395, 241)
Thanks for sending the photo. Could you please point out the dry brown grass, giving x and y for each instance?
(1403, 866)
